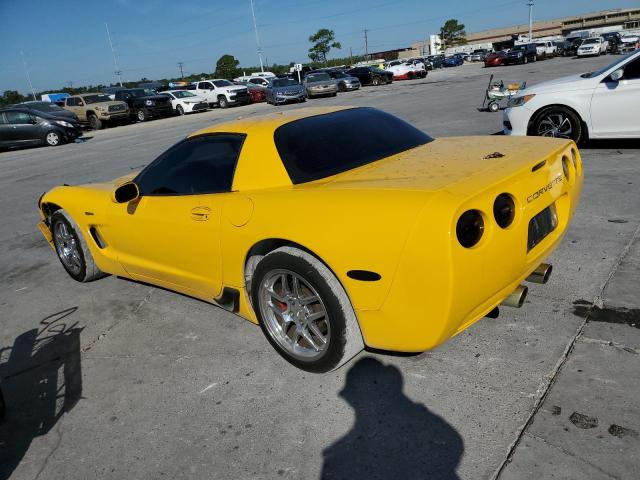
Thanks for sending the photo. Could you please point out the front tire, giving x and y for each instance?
(142, 116)
(94, 122)
(72, 249)
(53, 139)
(559, 122)
(222, 101)
(304, 311)
(180, 110)
(376, 81)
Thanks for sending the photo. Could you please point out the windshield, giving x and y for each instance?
(223, 83)
(318, 77)
(45, 107)
(138, 92)
(612, 65)
(519, 48)
(183, 94)
(96, 99)
(323, 145)
(283, 82)
(590, 41)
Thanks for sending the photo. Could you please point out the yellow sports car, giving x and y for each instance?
(332, 228)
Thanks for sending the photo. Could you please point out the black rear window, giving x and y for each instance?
(323, 145)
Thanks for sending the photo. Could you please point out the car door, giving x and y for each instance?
(71, 104)
(614, 105)
(170, 235)
(205, 89)
(23, 127)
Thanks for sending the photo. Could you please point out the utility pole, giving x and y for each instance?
(255, 28)
(366, 44)
(180, 65)
(70, 83)
(530, 19)
(117, 71)
(26, 70)
(350, 56)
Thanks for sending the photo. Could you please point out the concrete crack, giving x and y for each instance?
(142, 302)
(545, 387)
(572, 455)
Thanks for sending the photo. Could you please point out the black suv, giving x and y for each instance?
(522, 54)
(144, 104)
(371, 75)
(21, 127)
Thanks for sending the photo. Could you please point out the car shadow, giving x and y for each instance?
(612, 144)
(40, 380)
(392, 437)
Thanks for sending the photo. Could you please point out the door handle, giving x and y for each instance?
(200, 214)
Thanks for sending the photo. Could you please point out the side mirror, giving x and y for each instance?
(125, 193)
(616, 75)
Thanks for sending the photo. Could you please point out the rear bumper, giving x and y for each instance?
(435, 296)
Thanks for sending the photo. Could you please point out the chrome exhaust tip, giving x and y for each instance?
(516, 298)
(541, 274)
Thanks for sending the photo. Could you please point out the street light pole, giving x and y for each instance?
(26, 70)
(530, 19)
(255, 28)
(117, 71)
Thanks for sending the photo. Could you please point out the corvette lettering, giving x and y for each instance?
(546, 188)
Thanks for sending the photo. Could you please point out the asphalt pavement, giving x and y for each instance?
(115, 379)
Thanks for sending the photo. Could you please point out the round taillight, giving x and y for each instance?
(504, 210)
(470, 228)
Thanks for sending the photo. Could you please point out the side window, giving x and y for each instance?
(203, 164)
(18, 118)
(632, 70)
(205, 86)
(71, 102)
(3, 121)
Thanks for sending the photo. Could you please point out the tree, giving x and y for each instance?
(10, 97)
(323, 41)
(452, 33)
(227, 67)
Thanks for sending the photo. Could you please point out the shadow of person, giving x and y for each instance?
(41, 380)
(393, 437)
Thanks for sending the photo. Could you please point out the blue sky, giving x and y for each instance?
(65, 40)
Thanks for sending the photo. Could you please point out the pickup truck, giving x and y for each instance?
(546, 50)
(96, 109)
(144, 104)
(221, 92)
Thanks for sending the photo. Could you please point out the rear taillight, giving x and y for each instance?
(504, 210)
(470, 228)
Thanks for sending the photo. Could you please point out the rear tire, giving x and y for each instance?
(72, 249)
(304, 311)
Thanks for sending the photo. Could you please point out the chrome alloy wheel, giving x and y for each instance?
(67, 248)
(555, 124)
(294, 315)
(53, 138)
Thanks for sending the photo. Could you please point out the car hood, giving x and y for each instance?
(234, 88)
(287, 89)
(324, 83)
(569, 83)
(450, 164)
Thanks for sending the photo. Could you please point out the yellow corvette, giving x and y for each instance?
(332, 228)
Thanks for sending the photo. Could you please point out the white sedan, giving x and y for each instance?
(184, 101)
(601, 104)
(592, 46)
